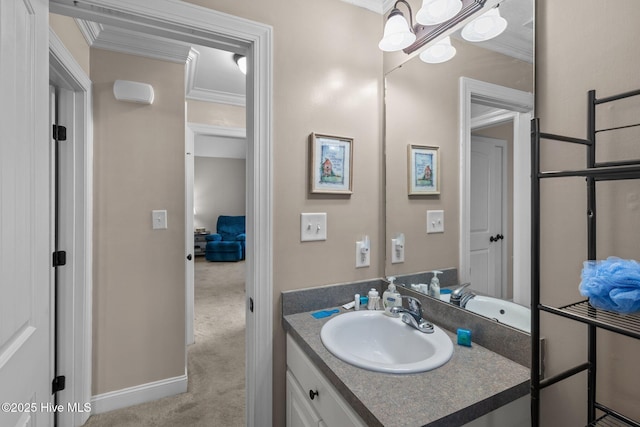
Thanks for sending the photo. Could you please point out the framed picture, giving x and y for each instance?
(423, 169)
(331, 164)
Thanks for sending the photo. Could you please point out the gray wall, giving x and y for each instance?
(219, 189)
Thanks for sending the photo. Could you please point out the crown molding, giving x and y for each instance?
(510, 46)
(133, 42)
(219, 97)
(206, 95)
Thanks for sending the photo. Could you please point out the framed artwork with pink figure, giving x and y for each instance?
(331, 164)
(423, 169)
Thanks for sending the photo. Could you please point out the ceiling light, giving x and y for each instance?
(439, 52)
(241, 62)
(485, 27)
(397, 32)
(435, 12)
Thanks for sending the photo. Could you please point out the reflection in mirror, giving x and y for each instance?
(474, 107)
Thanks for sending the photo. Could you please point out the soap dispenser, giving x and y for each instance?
(435, 284)
(391, 297)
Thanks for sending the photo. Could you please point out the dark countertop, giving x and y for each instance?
(474, 382)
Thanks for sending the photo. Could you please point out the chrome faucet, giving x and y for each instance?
(413, 315)
(462, 295)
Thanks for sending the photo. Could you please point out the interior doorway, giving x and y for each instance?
(516, 106)
(73, 217)
(489, 216)
(195, 24)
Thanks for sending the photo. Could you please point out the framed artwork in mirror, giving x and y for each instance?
(331, 164)
(423, 169)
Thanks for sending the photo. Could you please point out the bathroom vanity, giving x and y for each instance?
(476, 388)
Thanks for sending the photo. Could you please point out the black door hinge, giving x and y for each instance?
(58, 384)
(59, 133)
(251, 304)
(59, 258)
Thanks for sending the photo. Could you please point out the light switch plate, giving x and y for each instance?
(435, 222)
(313, 226)
(159, 219)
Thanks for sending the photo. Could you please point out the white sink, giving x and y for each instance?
(506, 312)
(377, 342)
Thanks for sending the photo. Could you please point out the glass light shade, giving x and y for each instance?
(485, 27)
(435, 12)
(439, 52)
(397, 34)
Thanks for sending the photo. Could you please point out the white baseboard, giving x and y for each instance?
(138, 394)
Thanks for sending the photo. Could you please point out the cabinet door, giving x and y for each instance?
(328, 403)
(299, 412)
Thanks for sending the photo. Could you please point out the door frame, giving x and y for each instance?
(504, 199)
(75, 321)
(520, 105)
(195, 24)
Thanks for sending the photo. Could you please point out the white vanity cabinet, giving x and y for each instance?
(311, 399)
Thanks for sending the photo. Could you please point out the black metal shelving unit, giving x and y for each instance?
(581, 311)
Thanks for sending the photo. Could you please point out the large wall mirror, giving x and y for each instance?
(472, 112)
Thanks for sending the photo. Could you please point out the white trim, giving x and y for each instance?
(77, 322)
(492, 118)
(130, 396)
(195, 24)
(213, 130)
(220, 97)
(519, 102)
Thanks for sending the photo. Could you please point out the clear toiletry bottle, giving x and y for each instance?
(374, 300)
(435, 284)
(390, 297)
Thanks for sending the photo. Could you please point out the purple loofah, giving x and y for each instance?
(612, 284)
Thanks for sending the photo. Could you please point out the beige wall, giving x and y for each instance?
(218, 189)
(422, 107)
(139, 294)
(69, 33)
(214, 114)
(584, 45)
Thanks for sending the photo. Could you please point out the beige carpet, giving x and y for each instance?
(216, 362)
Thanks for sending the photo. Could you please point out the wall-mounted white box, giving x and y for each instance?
(435, 222)
(313, 226)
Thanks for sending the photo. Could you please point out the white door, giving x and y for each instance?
(488, 202)
(25, 230)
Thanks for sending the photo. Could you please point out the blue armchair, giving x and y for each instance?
(228, 243)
